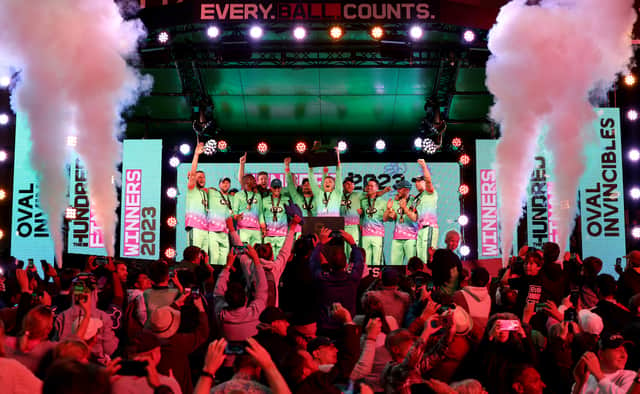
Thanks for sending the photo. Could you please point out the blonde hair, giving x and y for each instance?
(36, 325)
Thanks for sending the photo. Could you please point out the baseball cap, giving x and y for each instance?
(418, 178)
(317, 343)
(402, 184)
(348, 179)
(276, 183)
(271, 314)
(226, 178)
(612, 341)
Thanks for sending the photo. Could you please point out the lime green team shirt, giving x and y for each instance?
(327, 203)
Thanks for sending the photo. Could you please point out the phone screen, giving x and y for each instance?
(509, 325)
(235, 347)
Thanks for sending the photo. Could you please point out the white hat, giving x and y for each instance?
(590, 322)
(165, 322)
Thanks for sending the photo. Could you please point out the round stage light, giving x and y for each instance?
(417, 143)
(469, 36)
(170, 253)
(464, 160)
(635, 232)
(5, 81)
(263, 148)
(456, 142)
(465, 251)
(70, 213)
(429, 146)
(172, 221)
(213, 32)
(377, 32)
(256, 32)
(185, 149)
(634, 192)
(632, 115)
(172, 192)
(301, 147)
(210, 147)
(463, 189)
(223, 146)
(336, 32)
(3, 194)
(3, 155)
(380, 146)
(1, 236)
(634, 154)
(4, 119)
(416, 32)
(174, 162)
(463, 220)
(630, 80)
(299, 33)
(163, 37)
(342, 146)
(72, 140)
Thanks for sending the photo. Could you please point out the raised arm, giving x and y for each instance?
(339, 175)
(290, 186)
(427, 176)
(243, 161)
(314, 184)
(194, 165)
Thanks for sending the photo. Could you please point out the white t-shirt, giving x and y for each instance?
(618, 382)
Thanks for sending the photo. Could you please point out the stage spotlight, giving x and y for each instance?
(163, 37)
(456, 142)
(170, 253)
(336, 32)
(463, 220)
(463, 189)
(635, 232)
(5, 81)
(213, 32)
(256, 32)
(172, 192)
(210, 147)
(377, 32)
(3, 155)
(630, 80)
(70, 213)
(632, 115)
(3, 194)
(1, 236)
(465, 250)
(417, 143)
(342, 146)
(172, 221)
(4, 119)
(416, 32)
(469, 36)
(634, 154)
(223, 146)
(429, 146)
(72, 140)
(185, 149)
(263, 148)
(380, 146)
(634, 192)
(174, 162)
(301, 147)
(299, 33)
(464, 160)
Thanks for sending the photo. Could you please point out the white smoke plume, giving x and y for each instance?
(547, 61)
(73, 76)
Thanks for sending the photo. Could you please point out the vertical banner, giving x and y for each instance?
(489, 239)
(85, 235)
(601, 193)
(140, 207)
(538, 203)
(446, 179)
(30, 234)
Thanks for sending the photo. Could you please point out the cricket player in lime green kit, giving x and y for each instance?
(305, 199)
(426, 205)
(196, 220)
(273, 218)
(247, 205)
(372, 223)
(351, 211)
(328, 198)
(405, 232)
(220, 208)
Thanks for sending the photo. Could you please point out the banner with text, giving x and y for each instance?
(540, 224)
(30, 234)
(601, 193)
(446, 179)
(140, 197)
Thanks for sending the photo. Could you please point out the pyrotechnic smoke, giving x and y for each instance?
(73, 76)
(547, 61)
